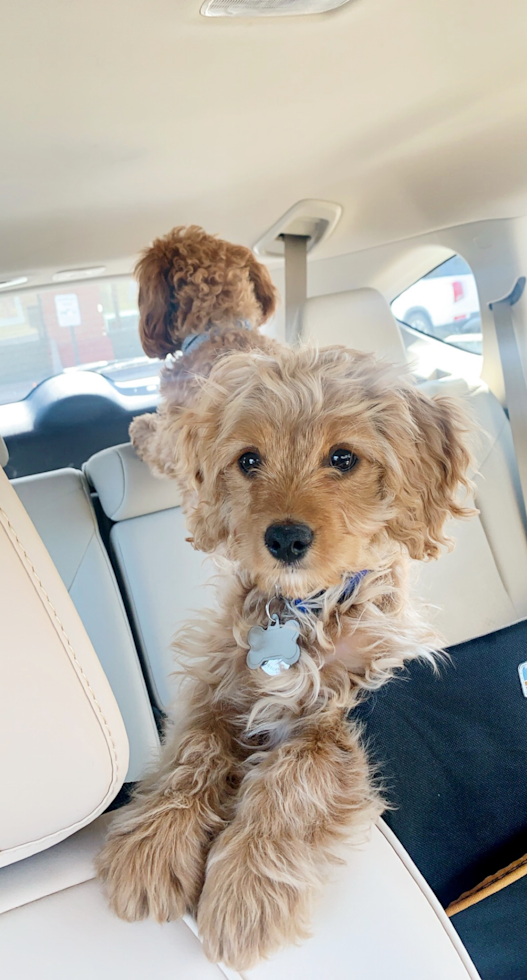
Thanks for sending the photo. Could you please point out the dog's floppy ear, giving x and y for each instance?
(204, 448)
(433, 459)
(156, 306)
(181, 447)
(200, 478)
(263, 287)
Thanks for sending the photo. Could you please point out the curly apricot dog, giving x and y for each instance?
(317, 474)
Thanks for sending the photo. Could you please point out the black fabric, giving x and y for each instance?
(451, 754)
(123, 797)
(493, 932)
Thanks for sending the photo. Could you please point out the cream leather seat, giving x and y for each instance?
(60, 507)
(377, 919)
(481, 585)
(358, 318)
(63, 745)
(163, 578)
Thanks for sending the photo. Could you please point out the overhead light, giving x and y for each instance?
(267, 8)
(67, 275)
(10, 283)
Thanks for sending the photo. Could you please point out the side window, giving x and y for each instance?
(444, 304)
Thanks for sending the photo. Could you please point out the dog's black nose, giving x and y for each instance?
(288, 542)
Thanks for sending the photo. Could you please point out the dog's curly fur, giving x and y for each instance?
(194, 283)
(266, 773)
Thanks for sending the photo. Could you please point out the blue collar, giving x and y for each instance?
(194, 340)
(305, 606)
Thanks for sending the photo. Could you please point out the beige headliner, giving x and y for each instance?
(121, 118)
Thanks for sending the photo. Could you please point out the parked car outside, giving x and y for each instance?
(443, 303)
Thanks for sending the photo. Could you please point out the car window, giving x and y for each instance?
(444, 304)
(77, 326)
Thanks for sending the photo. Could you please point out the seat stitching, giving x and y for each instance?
(81, 560)
(113, 750)
(117, 509)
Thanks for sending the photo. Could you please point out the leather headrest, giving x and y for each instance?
(126, 486)
(358, 318)
(4, 455)
(63, 745)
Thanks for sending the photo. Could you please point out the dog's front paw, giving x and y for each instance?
(141, 431)
(141, 879)
(245, 914)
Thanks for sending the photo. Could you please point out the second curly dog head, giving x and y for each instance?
(310, 465)
(190, 280)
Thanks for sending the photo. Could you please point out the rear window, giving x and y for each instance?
(444, 304)
(75, 327)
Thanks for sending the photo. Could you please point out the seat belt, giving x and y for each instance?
(295, 254)
(513, 376)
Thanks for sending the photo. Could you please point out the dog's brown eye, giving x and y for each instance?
(249, 461)
(343, 459)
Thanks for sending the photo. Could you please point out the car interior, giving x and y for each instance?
(373, 156)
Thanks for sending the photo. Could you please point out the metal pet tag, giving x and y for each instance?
(274, 648)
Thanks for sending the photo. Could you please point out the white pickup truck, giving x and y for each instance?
(443, 302)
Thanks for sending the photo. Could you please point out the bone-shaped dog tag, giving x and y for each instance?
(274, 648)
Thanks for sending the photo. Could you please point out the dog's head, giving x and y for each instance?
(313, 465)
(189, 281)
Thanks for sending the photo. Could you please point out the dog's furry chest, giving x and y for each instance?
(267, 711)
(341, 651)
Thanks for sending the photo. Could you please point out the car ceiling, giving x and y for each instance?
(120, 119)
